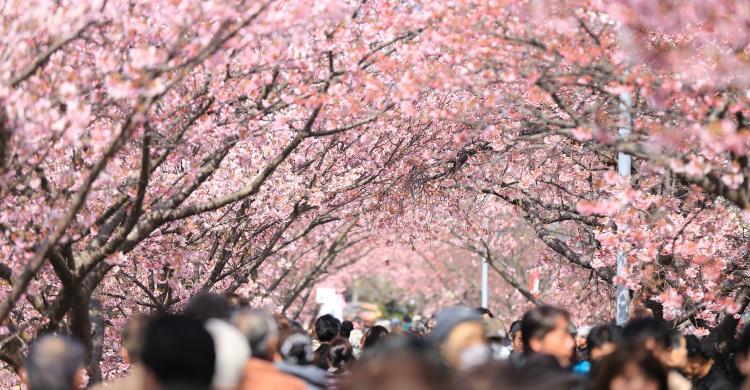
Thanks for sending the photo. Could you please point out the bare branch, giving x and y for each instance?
(42, 58)
(37, 260)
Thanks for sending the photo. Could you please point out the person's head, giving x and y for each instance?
(493, 375)
(650, 334)
(358, 322)
(326, 328)
(374, 336)
(296, 326)
(418, 328)
(296, 348)
(206, 305)
(406, 322)
(54, 363)
(340, 353)
(547, 330)
(346, 329)
(603, 340)
(485, 312)
(459, 333)
(404, 363)
(493, 330)
(395, 326)
(514, 333)
(582, 334)
(677, 353)
(132, 338)
(697, 359)
(232, 352)
(236, 301)
(178, 351)
(260, 330)
(630, 367)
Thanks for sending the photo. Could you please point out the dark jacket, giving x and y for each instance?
(716, 379)
(544, 372)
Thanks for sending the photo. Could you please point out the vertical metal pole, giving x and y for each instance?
(624, 161)
(485, 293)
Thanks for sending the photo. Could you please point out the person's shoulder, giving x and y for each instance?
(718, 380)
(723, 383)
(541, 362)
(289, 381)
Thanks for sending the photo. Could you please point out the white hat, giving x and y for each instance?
(232, 352)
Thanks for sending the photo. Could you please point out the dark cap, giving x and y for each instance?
(451, 317)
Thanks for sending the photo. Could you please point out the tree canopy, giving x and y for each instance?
(153, 149)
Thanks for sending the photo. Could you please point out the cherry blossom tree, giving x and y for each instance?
(138, 140)
(546, 104)
(149, 150)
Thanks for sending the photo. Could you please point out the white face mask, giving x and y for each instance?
(475, 355)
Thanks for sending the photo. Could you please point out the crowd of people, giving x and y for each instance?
(215, 344)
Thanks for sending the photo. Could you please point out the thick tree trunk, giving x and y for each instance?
(79, 324)
(97, 338)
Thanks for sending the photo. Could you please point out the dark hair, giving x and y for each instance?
(340, 353)
(206, 305)
(297, 326)
(694, 348)
(503, 375)
(374, 336)
(492, 375)
(538, 322)
(484, 310)
(132, 336)
(178, 350)
(514, 327)
(259, 327)
(613, 365)
(326, 328)
(295, 347)
(639, 331)
(52, 363)
(399, 363)
(346, 329)
(285, 325)
(603, 334)
(674, 339)
(321, 356)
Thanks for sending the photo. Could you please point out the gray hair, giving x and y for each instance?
(259, 327)
(53, 362)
